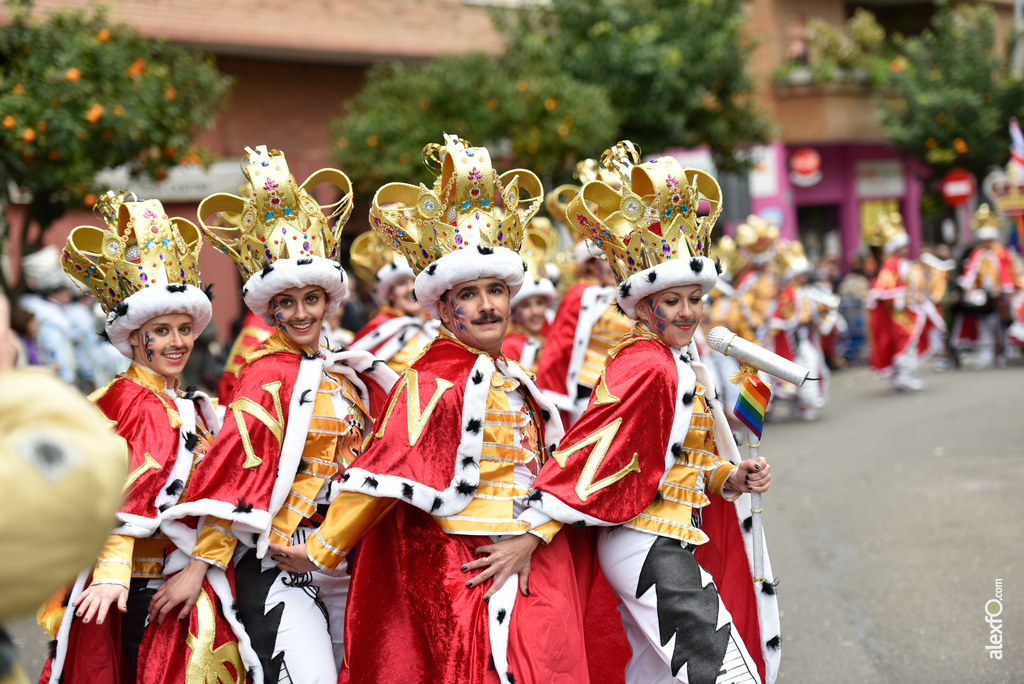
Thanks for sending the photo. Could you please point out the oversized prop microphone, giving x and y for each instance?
(751, 406)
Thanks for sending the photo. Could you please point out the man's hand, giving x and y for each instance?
(97, 599)
(292, 558)
(182, 589)
(750, 476)
(504, 559)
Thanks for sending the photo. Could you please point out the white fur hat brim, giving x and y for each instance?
(987, 233)
(675, 273)
(297, 272)
(157, 300)
(464, 265)
(533, 288)
(388, 275)
(901, 240)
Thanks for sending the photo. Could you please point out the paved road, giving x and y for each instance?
(890, 522)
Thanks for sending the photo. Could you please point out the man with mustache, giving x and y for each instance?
(455, 579)
(651, 463)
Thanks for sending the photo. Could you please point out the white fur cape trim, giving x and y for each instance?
(593, 303)
(464, 265)
(157, 300)
(297, 272)
(532, 288)
(457, 495)
(693, 271)
(396, 333)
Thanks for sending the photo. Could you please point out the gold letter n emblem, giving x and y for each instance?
(275, 425)
(602, 441)
(417, 419)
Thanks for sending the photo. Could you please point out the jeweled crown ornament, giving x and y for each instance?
(278, 235)
(757, 236)
(368, 255)
(651, 220)
(986, 224)
(136, 264)
(468, 205)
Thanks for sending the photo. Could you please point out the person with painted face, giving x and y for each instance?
(400, 329)
(144, 270)
(531, 306)
(298, 417)
(651, 463)
(455, 579)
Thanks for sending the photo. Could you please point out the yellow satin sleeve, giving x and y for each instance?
(719, 478)
(349, 518)
(216, 544)
(115, 562)
(547, 531)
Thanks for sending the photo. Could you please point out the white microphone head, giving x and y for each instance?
(719, 338)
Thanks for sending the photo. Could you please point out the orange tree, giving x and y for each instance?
(78, 94)
(542, 122)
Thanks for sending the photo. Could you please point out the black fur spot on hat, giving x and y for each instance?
(501, 616)
(474, 426)
(485, 250)
(535, 495)
(718, 265)
(243, 507)
(394, 266)
(774, 643)
(245, 290)
(748, 523)
(688, 398)
(545, 415)
(176, 287)
(370, 481)
(174, 489)
(465, 488)
(407, 490)
(696, 264)
(478, 377)
(267, 270)
(769, 588)
(306, 261)
(624, 290)
(526, 268)
(652, 276)
(191, 440)
(469, 461)
(437, 504)
(121, 309)
(345, 477)
(431, 269)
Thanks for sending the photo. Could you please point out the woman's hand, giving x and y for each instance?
(750, 476)
(292, 558)
(503, 559)
(97, 599)
(182, 589)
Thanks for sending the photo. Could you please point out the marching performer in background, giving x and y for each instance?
(756, 283)
(587, 323)
(897, 323)
(438, 495)
(654, 437)
(531, 306)
(400, 329)
(794, 334)
(144, 270)
(251, 337)
(990, 278)
(928, 285)
(298, 419)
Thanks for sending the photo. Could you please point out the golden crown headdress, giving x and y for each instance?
(984, 217)
(143, 264)
(368, 255)
(140, 247)
(540, 246)
(279, 219)
(468, 205)
(888, 226)
(756, 235)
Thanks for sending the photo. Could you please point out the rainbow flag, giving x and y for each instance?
(752, 403)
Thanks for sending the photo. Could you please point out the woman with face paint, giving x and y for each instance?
(144, 270)
(651, 462)
(297, 419)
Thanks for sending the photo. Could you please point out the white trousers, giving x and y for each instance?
(690, 609)
(296, 621)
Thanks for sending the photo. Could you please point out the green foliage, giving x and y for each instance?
(79, 94)
(543, 122)
(855, 53)
(957, 92)
(675, 70)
